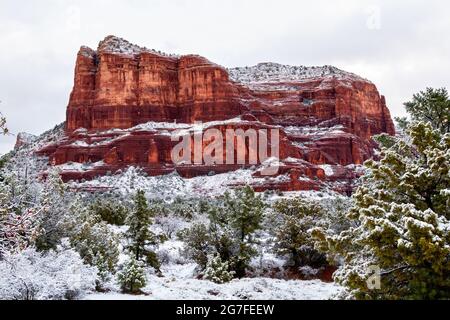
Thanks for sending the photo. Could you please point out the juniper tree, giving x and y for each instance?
(401, 221)
(198, 243)
(91, 237)
(110, 209)
(233, 220)
(293, 218)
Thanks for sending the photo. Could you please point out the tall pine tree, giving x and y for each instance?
(140, 237)
(233, 224)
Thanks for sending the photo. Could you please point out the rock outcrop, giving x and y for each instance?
(127, 102)
(23, 139)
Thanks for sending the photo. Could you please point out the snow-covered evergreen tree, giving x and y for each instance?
(401, 221)
(198, 243)
(233, 220)
(132, 276)
(55, 202)
(110, 209)
(217, 270)
(293, 219)
(91, 237)
(431, 106)
(232, 225)
(140, 237)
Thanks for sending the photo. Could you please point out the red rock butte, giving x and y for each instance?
(126, 101)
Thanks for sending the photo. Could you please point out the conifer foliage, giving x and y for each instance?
(401, 220)
(132, 276)
(233, 221)
(431, 106)
(140, 237)
(293, 219)
(217, 270)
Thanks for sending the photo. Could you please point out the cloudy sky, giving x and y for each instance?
(402, 46)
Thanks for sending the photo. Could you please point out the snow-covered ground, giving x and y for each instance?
(180, 284)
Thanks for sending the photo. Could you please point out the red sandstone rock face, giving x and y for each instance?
(325, 116)
(122, 90)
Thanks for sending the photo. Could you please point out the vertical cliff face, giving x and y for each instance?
(326, 116)
(121, 85)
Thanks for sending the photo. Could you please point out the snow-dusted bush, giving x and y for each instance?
(218, 271)
(54, 275)
(97, 246)
(170, 225)
(110, 209)
(184, 208)
(19, 212)
(132, 276)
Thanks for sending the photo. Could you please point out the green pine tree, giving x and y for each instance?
(139, 235)
(233, 224)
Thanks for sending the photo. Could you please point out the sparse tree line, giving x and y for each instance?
(398, 219)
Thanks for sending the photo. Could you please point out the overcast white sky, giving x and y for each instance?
(402, 46)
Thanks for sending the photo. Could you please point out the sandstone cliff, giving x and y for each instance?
(126, 101)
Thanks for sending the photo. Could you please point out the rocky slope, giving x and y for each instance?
(128, 101)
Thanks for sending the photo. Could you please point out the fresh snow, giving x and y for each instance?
(113, 44)
(329, 171)
(270, 73)
(179, 288)
(172, 185)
